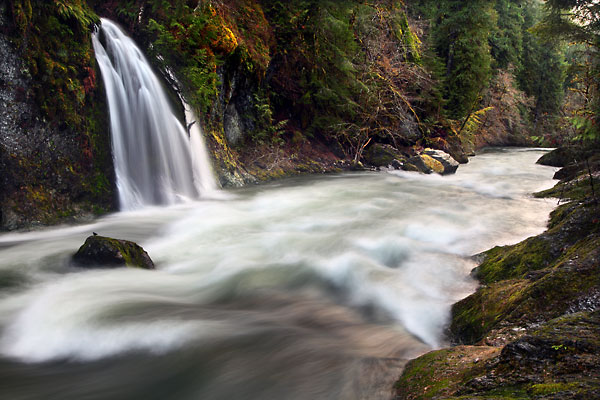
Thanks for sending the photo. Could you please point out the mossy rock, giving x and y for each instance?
(382, 155)
(538, 279)
(578, 188)
(509, 262)
(450, 164)
(101, 251)
(410, 167)
(440, 373)
(427, 164)
(557, 360)
(559, 157)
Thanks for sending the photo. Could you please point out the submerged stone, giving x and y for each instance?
(101, 251)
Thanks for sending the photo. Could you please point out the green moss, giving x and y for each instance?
(544, 389)
(577, 189)
(407, 37)
(438, 374)
(511, 262)
(420, 372)
(133, 255)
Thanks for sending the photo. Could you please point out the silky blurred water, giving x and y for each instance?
(157, 160)
(311, 288)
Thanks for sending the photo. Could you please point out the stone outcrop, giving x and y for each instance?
(105, 252)
(426, 164)
(55, 160)
(559, 157)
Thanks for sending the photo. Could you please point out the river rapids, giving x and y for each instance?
(309, 288)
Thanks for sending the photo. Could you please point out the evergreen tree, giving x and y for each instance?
(460, 34)
(542, 70)
(506, 38)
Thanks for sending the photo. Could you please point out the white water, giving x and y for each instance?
(311, 288)
(156, 160)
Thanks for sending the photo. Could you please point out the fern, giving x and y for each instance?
(74, 10)
(472, 123)
(586, 128)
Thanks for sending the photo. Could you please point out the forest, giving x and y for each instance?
(287, 87)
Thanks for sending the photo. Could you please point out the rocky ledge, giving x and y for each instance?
(105, 252)
(532, 330)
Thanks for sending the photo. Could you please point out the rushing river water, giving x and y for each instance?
(314, 288)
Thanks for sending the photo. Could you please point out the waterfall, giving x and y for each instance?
(157, 161)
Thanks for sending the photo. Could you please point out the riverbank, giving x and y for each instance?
(532, 329)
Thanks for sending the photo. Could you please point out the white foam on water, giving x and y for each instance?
(385, 244)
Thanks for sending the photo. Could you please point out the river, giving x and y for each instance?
(308, 288)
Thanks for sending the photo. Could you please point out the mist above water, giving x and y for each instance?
(310, 288)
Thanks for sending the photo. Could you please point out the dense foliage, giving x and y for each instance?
(280, 81)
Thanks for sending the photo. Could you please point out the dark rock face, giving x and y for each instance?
(50, 170)
(100, 251)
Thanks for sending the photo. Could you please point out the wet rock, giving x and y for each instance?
(559, 157)
(396, 164)
(449, 163)
(101, 251)
(452, 146)
(232, 125)
(410, 167)
(382, 155)
(427, 164)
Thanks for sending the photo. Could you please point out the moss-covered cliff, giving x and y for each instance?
(535, 319)
(55, 159)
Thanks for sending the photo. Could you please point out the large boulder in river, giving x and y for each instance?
(449, 163)
(424, 163)
(383, 155)
(451, 145)
(101, 251)
(559, 157)
(430, 161)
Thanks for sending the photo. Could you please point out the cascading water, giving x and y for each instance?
(156, 160)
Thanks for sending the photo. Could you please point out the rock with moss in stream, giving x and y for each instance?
(383, 155)
(559, 157)
(101, 251)
(449, 163)
(557, 360)
(425, 164)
